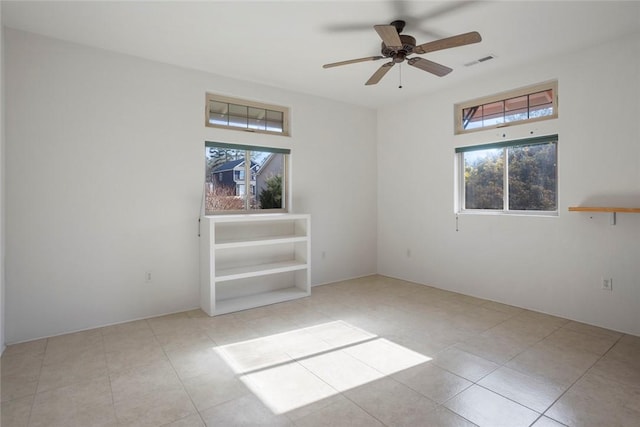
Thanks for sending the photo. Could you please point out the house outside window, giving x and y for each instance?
(237, 167)
(519, 176)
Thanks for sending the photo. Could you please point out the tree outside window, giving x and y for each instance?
(510, 176)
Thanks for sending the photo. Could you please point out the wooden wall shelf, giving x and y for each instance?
(612, 210)
(603, 209)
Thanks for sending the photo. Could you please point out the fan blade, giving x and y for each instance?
(445, 9)
(449, 42)
(348, 27)
(389, 36)
(352, 61)
(379, 74)
(430, 66)
(417, 22)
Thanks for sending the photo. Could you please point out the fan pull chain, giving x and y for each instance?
(400, 74)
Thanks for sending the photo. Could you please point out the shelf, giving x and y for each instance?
(261, 241)
(606, 209)
(259, 270)
(603, 209)
(257, 300)
(259, 217)
(251, 260)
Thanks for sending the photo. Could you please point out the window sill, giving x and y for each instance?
(544, 214)
(257, 212)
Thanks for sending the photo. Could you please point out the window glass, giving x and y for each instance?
(541, 104)
(493, 114)
(246, 115)
(257, 113)
(516, 109)
(274, 126)
(275, 121)
(509, 176)
(237, 110)
(222, 194)
(230, 171)
(219, 113)
(257, 118)
(484, 174)
(532, 178)
(533, 103)
(472, 117)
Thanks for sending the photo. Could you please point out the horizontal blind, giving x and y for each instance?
(513, 143)
(247, 147)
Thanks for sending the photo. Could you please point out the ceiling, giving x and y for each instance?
(285, 43)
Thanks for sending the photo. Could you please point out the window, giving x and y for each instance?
(526, 104)
(511, 176)
(231, 169)
(232, 113)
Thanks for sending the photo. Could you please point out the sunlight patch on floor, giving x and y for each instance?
(293, 369)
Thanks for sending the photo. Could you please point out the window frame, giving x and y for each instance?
(461, 184)
(248, 173)
(505, 96)
(212, 97)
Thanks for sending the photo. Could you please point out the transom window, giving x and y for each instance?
(239, 114)
(245, 179)
(518, 176)
(526, 104)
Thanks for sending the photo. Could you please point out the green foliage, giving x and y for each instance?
(271, 196)
(484, 182)
(532, 179)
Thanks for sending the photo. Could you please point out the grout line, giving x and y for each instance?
(106, 364)
(175, 371)
(33, 402)
(353, 309)
(364, 410)
(579, 378)
(546, 379)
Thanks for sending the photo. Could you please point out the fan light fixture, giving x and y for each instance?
(398, 47)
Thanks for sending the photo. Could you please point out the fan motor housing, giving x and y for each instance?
(408, 43)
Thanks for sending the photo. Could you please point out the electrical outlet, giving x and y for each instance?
(147, 277)
(607, 284)
(408, 253)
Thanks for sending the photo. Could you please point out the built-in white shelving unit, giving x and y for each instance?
(248, 261)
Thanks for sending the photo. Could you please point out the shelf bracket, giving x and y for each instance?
(612, 210)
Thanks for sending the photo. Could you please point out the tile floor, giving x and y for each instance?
(367, 352)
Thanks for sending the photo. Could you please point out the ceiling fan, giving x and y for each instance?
(397, 47)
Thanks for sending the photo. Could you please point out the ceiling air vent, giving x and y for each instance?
(478, 61)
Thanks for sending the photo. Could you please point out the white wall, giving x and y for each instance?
(105, 169)
(549, 264)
